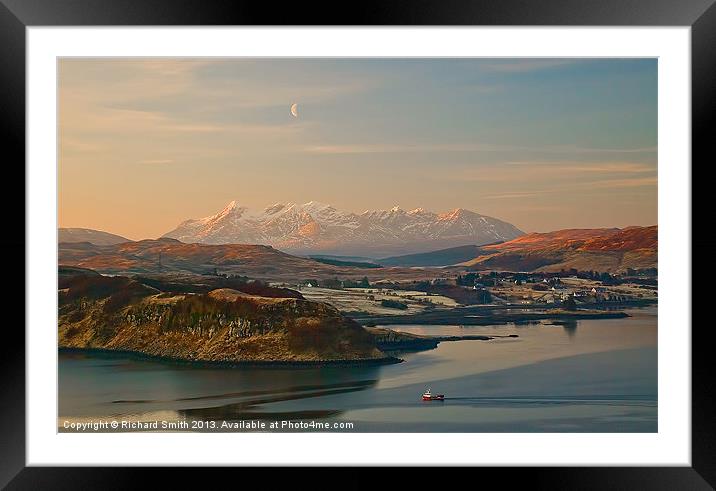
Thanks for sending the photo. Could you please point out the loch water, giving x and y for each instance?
(582, 376)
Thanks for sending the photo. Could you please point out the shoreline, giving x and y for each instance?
(466, 317)
(391, 340)
(137, 355)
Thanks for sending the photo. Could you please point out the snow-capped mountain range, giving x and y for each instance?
(315, 227)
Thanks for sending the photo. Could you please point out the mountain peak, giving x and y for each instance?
(274, 208)
(315, 203)
(316, 206)
(315, 226)
(456, 213)
(230, 208)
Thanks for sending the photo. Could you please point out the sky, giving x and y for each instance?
(544, 144)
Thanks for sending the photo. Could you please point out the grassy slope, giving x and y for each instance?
(583, 249)
(153, 256)
(89, 235)
(442, 257)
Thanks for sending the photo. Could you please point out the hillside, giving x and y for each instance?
(442, 257)
(316, 227)
(163, 255)
(352, 264)
(224, 325)
(605, 250)
(96, 237)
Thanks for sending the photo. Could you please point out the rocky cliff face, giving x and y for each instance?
(116, 313)
(390, 340)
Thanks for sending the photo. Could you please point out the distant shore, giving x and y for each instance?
(482, 317)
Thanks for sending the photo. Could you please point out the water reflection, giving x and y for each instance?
(569, 326)
(248, 409)
(291, 389)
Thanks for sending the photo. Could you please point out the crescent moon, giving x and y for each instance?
(294, 110)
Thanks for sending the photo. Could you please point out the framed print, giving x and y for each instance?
(443, 236)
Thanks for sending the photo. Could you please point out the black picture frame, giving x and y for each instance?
(16, 15)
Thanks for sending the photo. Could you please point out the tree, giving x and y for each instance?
(569, 303)
(333, 283)
(484, 296)
(394, 304)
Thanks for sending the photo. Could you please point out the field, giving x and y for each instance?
(368, 300)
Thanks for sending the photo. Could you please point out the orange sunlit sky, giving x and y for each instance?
(544, 144)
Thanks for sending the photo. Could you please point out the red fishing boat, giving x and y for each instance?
(427, 396)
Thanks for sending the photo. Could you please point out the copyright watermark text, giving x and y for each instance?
(108, 425)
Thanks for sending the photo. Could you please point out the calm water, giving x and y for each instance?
(590, 376)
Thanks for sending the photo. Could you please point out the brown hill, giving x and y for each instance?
(162, 255)
(122, 314)
(609, 250)
(89, 235)
(628, 239)
(559, 239)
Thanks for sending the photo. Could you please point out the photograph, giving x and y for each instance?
(357, 244)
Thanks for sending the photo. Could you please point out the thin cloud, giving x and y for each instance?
(398, 148)
(516, 195)
(522, 66)
(585, 167)
(467, 147)
(613, 150)
(636, 182)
